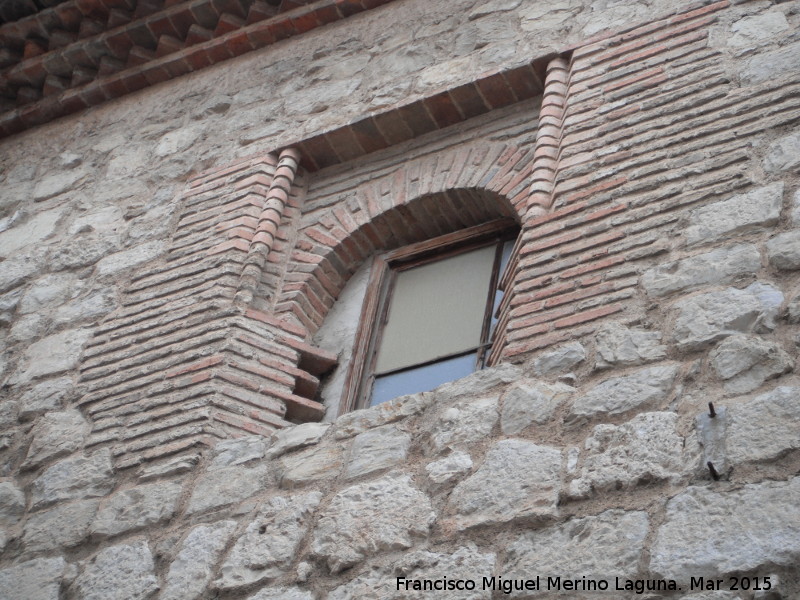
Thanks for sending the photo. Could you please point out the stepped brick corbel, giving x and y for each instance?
(189, 348)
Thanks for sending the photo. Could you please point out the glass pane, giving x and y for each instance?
(498, 294)
(436, 310)
(421, 379)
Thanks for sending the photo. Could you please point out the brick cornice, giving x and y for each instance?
(74, 68)
(449, 106)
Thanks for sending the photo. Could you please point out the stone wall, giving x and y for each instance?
(656, 273)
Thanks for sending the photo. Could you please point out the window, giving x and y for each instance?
(429, 314)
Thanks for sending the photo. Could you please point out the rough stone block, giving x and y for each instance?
(138, 507)
(50, 290)
(784, 251)
(53, 354)
(191, 571)
(8, 303)
(66, 525)
(105, 219)
(784, 153)
(477, 383)
(124, 572)
(757, 29)
(645, 388)
(517, 480)
(560, 360)
(617, 345)
(113, 263)
(710, 533)
(292, 593)
(57, 183)
(771, 300)
(89, 308)
(74, 478)
(464, 423)
(382, 514)
(745, 362)
(227, 485)
(528, 401)
(27, 328)
(173, 465)
(229, 453)
(751, 211)
(12, 503)
(353, 423)
(269, 544)
(44, 397)
(765, 427)
(721, 265)
(19, 268)
(573, 548)
(33, 231)
(450, 467)
(467, 562)
(537, 18)
(646, 449)
(177, 141)
(314, 464)
(86, 250)
(795, 212)
(292, 438)
(38, 579)
(56, 434)
(771, 65)
(377, 449)
(707, 318)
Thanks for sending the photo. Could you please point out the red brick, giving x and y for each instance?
(513, 351)
(348, 7)
(700, 11)
(345, 144)
(596, 189)
(527, 332)
(283, 324)
(468, 100)
(238, 43)
(597, 240)
(638, 78)
(594, 266)
(570, 236)
(496, 91)
(197, 366)
(261, 35)
(579, 295)
(305, 22)
(393, 129)
(524, 82)
(443, 110)
(589, 315)
(417, 118)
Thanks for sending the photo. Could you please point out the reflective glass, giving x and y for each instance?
(421, 379)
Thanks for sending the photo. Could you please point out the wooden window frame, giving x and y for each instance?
(357, 388)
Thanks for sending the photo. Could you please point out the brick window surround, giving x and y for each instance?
(213, 338)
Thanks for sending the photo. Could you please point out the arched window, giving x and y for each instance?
(428, 314)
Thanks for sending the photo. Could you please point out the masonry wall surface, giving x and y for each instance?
(165, 270)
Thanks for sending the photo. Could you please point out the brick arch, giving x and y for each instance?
(421, 199)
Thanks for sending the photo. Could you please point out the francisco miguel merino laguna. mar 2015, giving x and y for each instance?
(539, 583)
